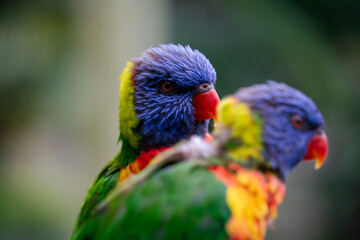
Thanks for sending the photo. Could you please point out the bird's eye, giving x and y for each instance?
(297, 121)
(167, 87)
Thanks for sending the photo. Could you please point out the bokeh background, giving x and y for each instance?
(59, 67)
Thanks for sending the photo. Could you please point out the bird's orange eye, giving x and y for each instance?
(297, 121)
(167, 86)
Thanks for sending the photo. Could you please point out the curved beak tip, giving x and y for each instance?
(319, 162)
(215, 118)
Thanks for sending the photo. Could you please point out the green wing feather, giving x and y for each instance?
(105, 181)
(180, 201)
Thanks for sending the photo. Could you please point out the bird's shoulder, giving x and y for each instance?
(105, 181)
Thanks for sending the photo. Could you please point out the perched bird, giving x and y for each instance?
(166, 95)
(229, 188)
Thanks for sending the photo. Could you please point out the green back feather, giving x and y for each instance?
(185, 201)
(106, 181)
(102, 185)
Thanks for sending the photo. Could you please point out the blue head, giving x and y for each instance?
(165, 81)
(290, 121)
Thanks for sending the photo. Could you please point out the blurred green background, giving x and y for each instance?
(60, 62)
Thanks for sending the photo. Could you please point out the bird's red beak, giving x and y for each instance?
(205, 105)
(317, 149)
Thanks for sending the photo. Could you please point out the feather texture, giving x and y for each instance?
(216, 190)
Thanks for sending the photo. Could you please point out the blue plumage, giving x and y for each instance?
(284, 144)
(167, 118)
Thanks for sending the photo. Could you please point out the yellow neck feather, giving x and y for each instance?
(245, 130)
(127, 115)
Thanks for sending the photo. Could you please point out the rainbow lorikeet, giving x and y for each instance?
(229, 188)
(166, 94)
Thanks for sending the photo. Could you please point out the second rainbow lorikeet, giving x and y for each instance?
(229, 188)
(167, 94)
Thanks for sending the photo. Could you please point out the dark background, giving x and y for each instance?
(60, 62)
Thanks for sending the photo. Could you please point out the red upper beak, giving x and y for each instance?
(205, 102)
(317, 149)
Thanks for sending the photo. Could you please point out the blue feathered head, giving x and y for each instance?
(173, 94)
(292, 125)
